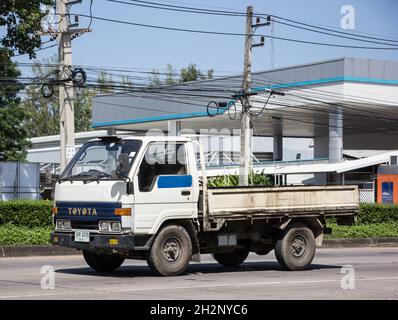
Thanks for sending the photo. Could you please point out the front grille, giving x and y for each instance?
(90, 225)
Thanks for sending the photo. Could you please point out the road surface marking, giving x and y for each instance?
(197, 287)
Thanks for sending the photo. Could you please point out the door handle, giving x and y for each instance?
(185, 193)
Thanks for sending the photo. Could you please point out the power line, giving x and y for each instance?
(187, 93)
(333, 35)
(214, 87)
(91, 14)
(161, 6)
(332, 30)
(155, 70)
(37, 50)
(297, 119)
(323, 93)
(232, 34)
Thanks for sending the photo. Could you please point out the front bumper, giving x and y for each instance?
(98, 242)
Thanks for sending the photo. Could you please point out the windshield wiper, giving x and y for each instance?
(75, 177)
(97, 176)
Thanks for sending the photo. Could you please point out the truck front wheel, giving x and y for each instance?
(295, 247)
(231, 259)
(171, 251)
(103, 262)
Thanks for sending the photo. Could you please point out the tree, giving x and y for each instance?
(21, 20)
(210, 73)
(154, 78)
(126, 83)
(190, 73)
(170, 75)
(83, 108)
(13, 142)
(106, 83)
(43, 113)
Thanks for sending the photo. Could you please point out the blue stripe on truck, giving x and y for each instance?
(175, 181)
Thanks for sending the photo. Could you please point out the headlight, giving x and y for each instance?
(67, 225)
(63, 225)
(104, 226)
(109, 226)
(116, 227)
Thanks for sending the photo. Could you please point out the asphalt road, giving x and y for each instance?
(376, 277)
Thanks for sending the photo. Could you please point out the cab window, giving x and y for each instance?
(161, 159)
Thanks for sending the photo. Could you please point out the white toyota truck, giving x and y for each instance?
(148, 198)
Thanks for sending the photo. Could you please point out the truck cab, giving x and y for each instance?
(116, 192)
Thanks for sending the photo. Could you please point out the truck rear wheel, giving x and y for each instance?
(295, 247)
(103, 262)
(231, 259)
(171, 251)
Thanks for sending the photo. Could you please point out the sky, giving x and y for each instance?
(114, 45)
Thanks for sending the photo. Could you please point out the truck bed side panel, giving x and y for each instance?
(327, 200)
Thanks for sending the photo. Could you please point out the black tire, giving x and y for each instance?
(231, 259)
(103, 262)
(295, 247)
(170, 252)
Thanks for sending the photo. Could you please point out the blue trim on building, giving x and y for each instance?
(183, 181)
(254, 89)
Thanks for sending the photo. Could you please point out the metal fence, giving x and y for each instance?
(366, 195)
(19, 181)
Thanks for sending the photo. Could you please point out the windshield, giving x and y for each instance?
(101, 160)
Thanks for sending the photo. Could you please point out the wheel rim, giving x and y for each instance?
(172, 250)
(298, 246)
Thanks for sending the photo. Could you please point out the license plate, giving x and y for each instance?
(82, 236)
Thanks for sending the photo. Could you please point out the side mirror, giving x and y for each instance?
(124, 162)
(130, 187)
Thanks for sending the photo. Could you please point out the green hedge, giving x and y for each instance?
(375, 230)
(26, 213)
(377, 213)
(13, 235)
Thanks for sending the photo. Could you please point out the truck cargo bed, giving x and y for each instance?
(256, 202)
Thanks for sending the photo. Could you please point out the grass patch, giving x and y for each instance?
(374, 230)
(14, 235)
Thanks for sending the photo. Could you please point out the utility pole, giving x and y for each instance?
(66, 111)
(245, 162)
(66, 79)
(66, 89)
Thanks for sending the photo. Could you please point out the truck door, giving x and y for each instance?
(163, 186)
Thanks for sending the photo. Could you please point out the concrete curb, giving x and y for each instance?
(360, 242)
(24, 251)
